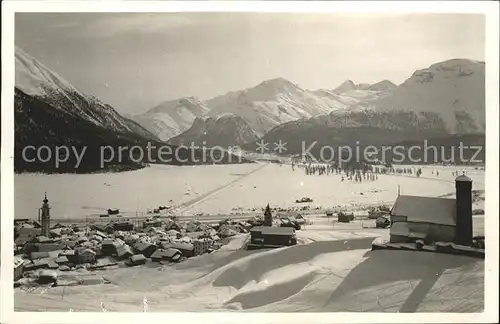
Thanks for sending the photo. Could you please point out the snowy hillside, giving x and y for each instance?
(49, 111)
(224, 130)
(455, 89)
(352, 97)
(170, 118)
(35, 79)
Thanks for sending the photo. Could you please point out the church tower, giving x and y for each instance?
(45, 210)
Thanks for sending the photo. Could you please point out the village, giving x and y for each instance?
(42, 250)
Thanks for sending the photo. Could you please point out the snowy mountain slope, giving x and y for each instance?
(225, 130)
(170, 118)
(138, 129)
(49, 111)
(271, 103)
(35, 79)
(455, 89)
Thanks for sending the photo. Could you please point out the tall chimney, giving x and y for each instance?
(463, 231)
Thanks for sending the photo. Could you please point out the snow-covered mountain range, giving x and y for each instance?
(267, 105)
(446, 101)
(452, 92)
(445, 98)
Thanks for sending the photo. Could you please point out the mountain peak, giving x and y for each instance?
(345, 86)
(192, 104)
(278, 85)
(384, 85)
(34, 78)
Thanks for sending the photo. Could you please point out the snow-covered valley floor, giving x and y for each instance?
(219, 189)
(331, 269)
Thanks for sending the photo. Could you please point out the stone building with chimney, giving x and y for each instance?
(433, 219)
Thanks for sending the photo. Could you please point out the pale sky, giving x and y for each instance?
(137, 60)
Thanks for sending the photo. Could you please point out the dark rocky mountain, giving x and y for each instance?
(50, 112)
(224, 130)
(39, 124)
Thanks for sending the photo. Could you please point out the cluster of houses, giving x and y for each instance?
(69, 247)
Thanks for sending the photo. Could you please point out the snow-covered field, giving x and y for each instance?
(218, 189)
(332, 269)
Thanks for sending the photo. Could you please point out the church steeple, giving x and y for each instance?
(45, 216)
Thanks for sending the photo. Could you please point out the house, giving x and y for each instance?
(202, 246)
(131, 239)
(172, 225)
(41, 263)
(84, 255)
(52, 264)
(195, 235)
(166, 254)
(187, 249)
(123, 226)
(48, 247)
(105, 262)
(226, 231)
(433, 219)
(152, 223)
(123, 252)
(271, 237)
(345, 217)
(26, 234)
(39, 255)
(62, 260)
(136, 260)
(47, 277)
(43, 239)
(109, 247)
(68, 244)
(71, 255)
(146, 249)
(18, 268)
(173, 234)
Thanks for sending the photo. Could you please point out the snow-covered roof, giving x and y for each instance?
(18, 261)
(273, 230)
(440, 211)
